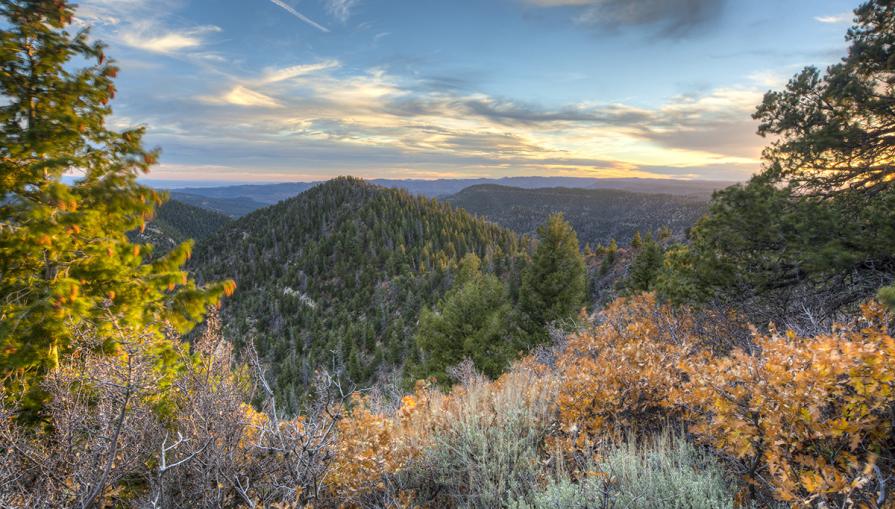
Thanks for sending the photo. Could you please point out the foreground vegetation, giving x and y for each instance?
(680, 392)
(645, 406)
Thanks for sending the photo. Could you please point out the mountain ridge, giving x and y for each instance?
(238, 200)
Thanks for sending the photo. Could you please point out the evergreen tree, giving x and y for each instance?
(816, 228)
(470, 322)
(886, 295)
(833, 130)
(645, 267)
(65, 259)
(553, 285)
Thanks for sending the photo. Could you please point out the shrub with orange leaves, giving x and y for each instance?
(373, 445)
(808, 417)
(618, 376)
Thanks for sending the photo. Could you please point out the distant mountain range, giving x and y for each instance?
(238, 200)
(598, 215)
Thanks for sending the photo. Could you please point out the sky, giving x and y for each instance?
(300, 90)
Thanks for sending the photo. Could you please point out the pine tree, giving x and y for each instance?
(470, 322)
(553, 285)
(886, 295)
(65, 259)
(645, 267)
(833, 130)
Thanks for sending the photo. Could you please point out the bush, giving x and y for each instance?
(618, 377)
(810, 418)
(488, 450)
(663, 472)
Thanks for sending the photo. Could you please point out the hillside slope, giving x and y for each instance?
(336, 277)
(175, 222)
(598, 215)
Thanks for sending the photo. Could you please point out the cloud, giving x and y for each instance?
(671, 18)
(294, 71)
(168, 42)
(768, 78)
(836, 19)
(242, 96)
(145, 25)
(308, 119)
(341, 9)
(299, 15)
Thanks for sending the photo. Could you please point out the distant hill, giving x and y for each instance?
(336, 277)
(230, 207)
(598, 215)
(267, 194)
(175, 222)
(239, 200)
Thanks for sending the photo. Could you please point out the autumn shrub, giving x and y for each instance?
(618, 376)
(808, 418)
(375, 446)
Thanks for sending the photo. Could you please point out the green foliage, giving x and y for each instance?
(65, 258)
(553, 284)
(833, 131)
(487, 450)
(645, 268)
(886, 295)
(761, 241)
(176, 222)
(337, 277)
(597, 215)
(187, 222)
(471, 321)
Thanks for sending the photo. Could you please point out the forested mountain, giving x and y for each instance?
(598, 215)
(336, 277)
(175, 222)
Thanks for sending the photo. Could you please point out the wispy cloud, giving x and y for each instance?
(143, 38)
(835, 19)
(341, 9)
(288, 8)
(146, 25)
(242, 96)
(768, 78)
(672, 18)
(294, 71)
